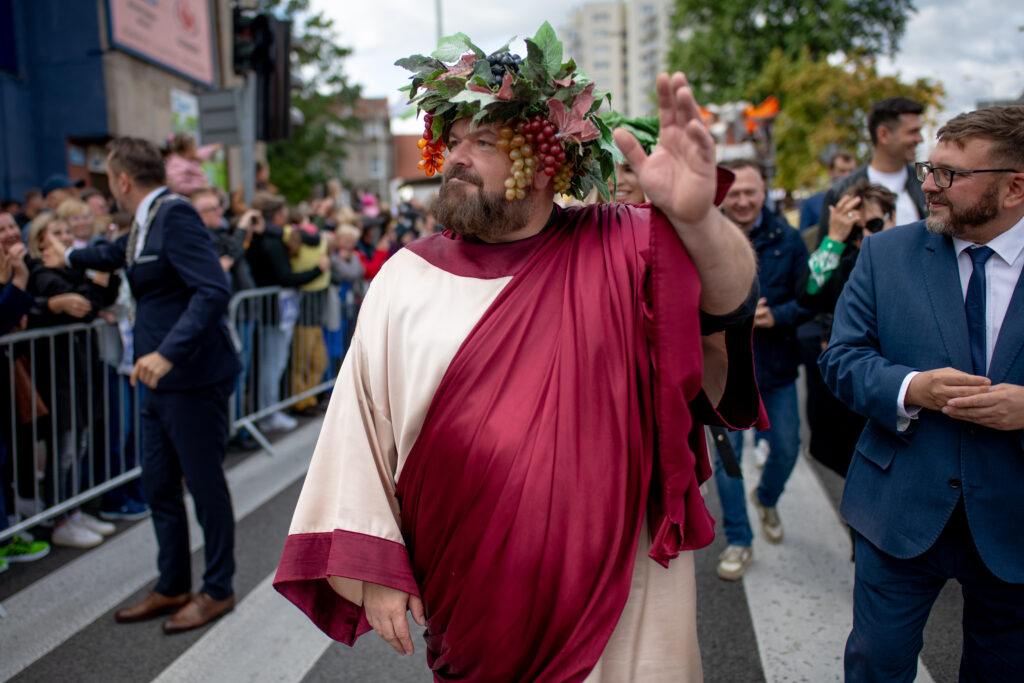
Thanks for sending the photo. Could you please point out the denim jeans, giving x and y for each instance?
(275, 350)
(784, 442)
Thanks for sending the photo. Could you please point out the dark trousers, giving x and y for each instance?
(892, 599)
(184, 434)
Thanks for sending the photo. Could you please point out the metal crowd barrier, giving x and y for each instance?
(70, 433)
(291, 343)
(70, 426)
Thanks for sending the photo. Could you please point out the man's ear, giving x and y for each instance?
(1014, 192)
(125, 181)
(883, 135)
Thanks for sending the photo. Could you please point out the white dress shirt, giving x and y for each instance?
(141, 214)
(1002, 271)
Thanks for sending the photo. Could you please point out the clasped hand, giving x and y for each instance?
(967, 397)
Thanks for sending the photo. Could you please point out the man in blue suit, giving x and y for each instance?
(185, 358)
(928, 344)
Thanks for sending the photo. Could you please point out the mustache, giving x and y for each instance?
(934, 197)
(463, 173)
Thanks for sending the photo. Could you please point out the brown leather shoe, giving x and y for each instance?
(200, 611)
(153, 605)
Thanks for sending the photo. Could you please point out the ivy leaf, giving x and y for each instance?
(534, 65)
(420, 63)
(482, 72)
(551, 48)
(472, 96)
(575, 123)
(607, 144)
(504, 48)
(451, 48)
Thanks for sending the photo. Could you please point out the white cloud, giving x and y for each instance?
(975, 48)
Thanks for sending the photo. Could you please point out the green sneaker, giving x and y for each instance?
(20, 550)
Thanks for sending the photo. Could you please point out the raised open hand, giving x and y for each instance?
(679, 175)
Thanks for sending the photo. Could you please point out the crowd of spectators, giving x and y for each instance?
(73, 408)
(319, 256)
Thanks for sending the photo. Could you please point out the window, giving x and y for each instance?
(602, 65)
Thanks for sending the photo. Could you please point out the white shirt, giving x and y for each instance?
(906, 209)
(1002, 271)
(141, 214)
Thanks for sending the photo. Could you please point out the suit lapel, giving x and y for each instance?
(942, 281)
(1011, 336)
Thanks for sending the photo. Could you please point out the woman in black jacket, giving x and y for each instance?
(66, 296)
(863, 210)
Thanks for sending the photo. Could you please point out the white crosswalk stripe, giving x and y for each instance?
(282, 649)
(800, 592)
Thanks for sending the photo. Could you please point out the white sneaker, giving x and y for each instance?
(733, 562)
(285, 423)
(71, 535)
(80, 519)
(761, 451)
(278, 422)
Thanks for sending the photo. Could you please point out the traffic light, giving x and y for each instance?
(253, 41)
(262, 44)
(274, 97)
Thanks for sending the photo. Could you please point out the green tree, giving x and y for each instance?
(722, 45)
(322, 94)
(825, 106)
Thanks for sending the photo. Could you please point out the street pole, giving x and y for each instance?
(246, 108)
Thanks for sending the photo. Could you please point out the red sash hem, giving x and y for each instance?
(307, 561)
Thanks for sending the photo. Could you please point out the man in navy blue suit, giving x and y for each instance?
(185, 358)
(928, 344)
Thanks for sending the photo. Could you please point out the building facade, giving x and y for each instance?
(73, 75)
(621, 46)
(369, 163)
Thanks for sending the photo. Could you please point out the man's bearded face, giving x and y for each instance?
(954, 218)
(477, 212)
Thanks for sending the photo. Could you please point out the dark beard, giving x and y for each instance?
(488, 216)
(958, 221)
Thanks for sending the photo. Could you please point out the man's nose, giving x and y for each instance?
(929, 183)
(457, 156)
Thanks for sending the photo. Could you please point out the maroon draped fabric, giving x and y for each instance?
(563, 418)
(524, 496)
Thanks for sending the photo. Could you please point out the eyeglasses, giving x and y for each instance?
(208, 209)
(944, 176)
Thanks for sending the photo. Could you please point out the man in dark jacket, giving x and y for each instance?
(185, 357)
(782, 257)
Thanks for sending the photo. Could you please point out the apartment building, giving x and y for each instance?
(621, 46)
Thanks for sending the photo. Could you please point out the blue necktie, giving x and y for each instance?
(974, 305)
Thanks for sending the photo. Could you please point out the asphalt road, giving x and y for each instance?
(785, 621)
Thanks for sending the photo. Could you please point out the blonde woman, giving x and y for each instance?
(71, 297)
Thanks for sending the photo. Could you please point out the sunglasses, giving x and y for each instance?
(874, 225)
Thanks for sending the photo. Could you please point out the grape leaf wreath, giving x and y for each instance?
(546, 111)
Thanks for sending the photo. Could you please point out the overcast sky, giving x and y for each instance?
(974, 47)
